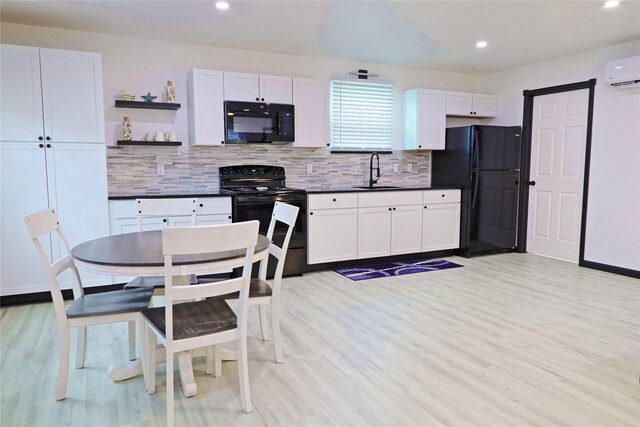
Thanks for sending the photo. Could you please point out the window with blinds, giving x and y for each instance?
(361, 116)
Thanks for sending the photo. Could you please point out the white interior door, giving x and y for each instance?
(558, 145)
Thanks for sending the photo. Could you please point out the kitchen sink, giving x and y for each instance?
(377, 187)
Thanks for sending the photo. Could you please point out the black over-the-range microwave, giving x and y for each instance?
(258, 122)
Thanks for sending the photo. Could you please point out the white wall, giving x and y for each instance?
(613, 221)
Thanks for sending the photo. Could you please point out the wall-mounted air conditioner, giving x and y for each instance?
(623, 73)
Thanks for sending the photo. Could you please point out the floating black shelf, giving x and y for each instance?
(147, 105)
(148, 143)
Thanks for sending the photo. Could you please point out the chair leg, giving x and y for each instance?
(63, 363)
(81, 349)
(132, 340)
(217, 361)
(142, 338)
(151, 361)
(264, 322)
(170, 396)
(243, 373)
(210, 361)
(277, 337)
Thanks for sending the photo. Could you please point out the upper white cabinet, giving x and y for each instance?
(206, 107)
(311, 102)
(424, 119)
(257, 88)
(471, 104)
(51, 95)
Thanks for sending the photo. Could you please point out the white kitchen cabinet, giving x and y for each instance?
(206, 107)
(389, 223)
(332, 227)
(311, 102)
(257, 88)
(406, 224)
(374, 232)
(123, 218)
(70, 177)
(440, 220)
(471, 104)
(51, 95)
(424, 117)
(211, 210)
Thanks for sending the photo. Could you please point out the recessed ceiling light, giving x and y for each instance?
(222, 5)
(481, 44)
(611, 3)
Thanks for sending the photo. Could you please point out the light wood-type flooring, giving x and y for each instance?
(508, 340)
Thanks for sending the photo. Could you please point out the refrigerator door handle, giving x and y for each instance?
(474, 188)
(475, 152)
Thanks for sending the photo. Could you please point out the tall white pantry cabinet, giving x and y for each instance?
(52, 155)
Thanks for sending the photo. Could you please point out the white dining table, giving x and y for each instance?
(140, 254)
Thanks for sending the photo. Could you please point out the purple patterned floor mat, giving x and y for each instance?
(398, 268)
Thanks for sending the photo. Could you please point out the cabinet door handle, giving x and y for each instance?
(229, 217)
(48, 138)
(334, 200)
(532, 183)
(261, 99)
(425, 207)
(419, 146)
(443, 195)
(222, 142)
(257, 99)
(310, 213)
(389, 208)
(201, 205)
(394, 209)
(40, 138)
(41, 145)
(164, 220)
(48, 145)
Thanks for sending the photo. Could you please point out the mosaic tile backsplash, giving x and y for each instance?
(133, 171)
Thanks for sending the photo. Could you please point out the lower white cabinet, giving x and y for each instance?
(123, 218)
(70, 177)
(346, 226)
(389, 223)
(441, 220)
(332, 227)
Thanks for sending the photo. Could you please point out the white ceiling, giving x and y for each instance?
(428, 34)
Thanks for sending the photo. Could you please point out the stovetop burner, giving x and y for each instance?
(254, 180)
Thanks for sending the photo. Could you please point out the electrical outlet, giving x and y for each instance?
(309, 167)
(409, 167)
(160, 169)
(395, 167)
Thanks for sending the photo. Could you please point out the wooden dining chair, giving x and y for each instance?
(262, 293)
(159, 208)
(207, 320)
(85, 310)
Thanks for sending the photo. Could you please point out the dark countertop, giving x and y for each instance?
(339, 189)
(336, 189)
(167, 196)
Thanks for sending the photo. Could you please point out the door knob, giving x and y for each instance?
(532, 183)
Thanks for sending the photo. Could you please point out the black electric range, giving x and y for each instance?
(254, 190)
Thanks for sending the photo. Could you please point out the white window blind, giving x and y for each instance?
(361, 115)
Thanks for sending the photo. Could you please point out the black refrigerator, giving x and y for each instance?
(483, 161)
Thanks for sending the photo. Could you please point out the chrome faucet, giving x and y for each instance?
(371, 180)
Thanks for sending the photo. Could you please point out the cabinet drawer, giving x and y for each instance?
(441, 196)
(121, 209)
(333, 201)
(214, 205)
(389, 198)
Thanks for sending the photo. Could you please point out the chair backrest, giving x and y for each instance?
(166, 207)
(176, 241)
(39, 224)
(286, 214)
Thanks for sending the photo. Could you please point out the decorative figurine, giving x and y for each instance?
(125, 96)
(171, 92)
(148, 97)
(126, 129)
